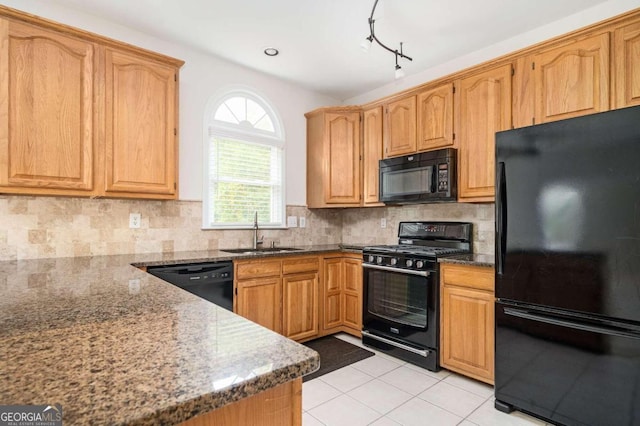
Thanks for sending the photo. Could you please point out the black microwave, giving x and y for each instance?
(427, 177)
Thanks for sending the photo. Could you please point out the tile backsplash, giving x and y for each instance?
(39, 227)
(363, 226)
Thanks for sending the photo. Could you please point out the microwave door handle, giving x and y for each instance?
(434, 178)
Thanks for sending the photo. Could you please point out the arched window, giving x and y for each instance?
(244, 167)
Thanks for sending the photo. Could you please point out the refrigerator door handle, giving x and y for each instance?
(501, 217)
(612, 331)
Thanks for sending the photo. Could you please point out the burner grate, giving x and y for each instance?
(416, 249)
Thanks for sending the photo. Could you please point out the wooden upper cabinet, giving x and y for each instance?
(483, 107)
(572, 80)
(342, 150)
(627, 65)
(46, 110)
(83, 115)
(140, 126)
(400, 128)
(372, 154)
(333, 157)
(435, 118)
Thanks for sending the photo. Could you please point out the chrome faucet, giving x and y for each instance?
(256, 241)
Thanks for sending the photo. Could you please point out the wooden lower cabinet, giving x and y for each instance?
(300, 305)
(260, 300)
(278, 406)
(333, 276)
(280, 293)
(353, 293)
(467, 320)
(301, 297)
(342, 293)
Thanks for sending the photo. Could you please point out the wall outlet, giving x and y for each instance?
(134, 286)
(303, 221)
(134, 220)
(292, 221)
(383, 223)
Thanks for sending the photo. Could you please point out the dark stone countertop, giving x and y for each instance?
(470, 259)
(220, 255)
(113, 344)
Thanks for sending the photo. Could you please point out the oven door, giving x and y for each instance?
(401, 305)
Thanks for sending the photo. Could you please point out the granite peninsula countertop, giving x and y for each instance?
(113, 344)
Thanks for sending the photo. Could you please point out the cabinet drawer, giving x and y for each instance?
(300, 264)
(478, 277)
(257, 268)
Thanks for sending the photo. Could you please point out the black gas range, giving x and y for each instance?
(401, 289)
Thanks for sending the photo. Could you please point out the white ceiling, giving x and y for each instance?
(319, 40)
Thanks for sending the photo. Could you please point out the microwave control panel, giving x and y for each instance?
(443, 177)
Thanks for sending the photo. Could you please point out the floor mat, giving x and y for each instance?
(334, 353)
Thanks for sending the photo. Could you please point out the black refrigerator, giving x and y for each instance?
(568, 270)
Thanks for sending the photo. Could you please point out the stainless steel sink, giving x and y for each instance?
(261, 250)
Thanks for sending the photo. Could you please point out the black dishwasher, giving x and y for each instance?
(212, 281)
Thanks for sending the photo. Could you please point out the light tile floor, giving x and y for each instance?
(385, 391)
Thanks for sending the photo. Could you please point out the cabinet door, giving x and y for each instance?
(300, 305)
(333, 276)
(468, 332)
(435, 118)
(353, 293)
(46, 110)
(400, 129)
(141, 129)
(484, 107)
(627, 63)
(260, 300)
(572, 80)
(372, 150)
(342, 156)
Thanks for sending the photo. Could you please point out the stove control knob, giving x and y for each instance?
(394, 261)
(409, 263)
(371, 258)
(419, 264)
(379, 259)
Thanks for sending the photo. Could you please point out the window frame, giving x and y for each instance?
(213, 128)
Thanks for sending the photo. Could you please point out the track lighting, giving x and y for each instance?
(366, 44)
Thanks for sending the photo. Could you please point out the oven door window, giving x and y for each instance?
(397, 297)
(407, 181)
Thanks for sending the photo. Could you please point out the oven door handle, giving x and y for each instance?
(421, 352)
(391, 269)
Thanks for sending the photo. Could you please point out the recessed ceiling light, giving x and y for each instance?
(271, 51)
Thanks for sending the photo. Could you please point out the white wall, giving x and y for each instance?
(587, 17)
(204, 75)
